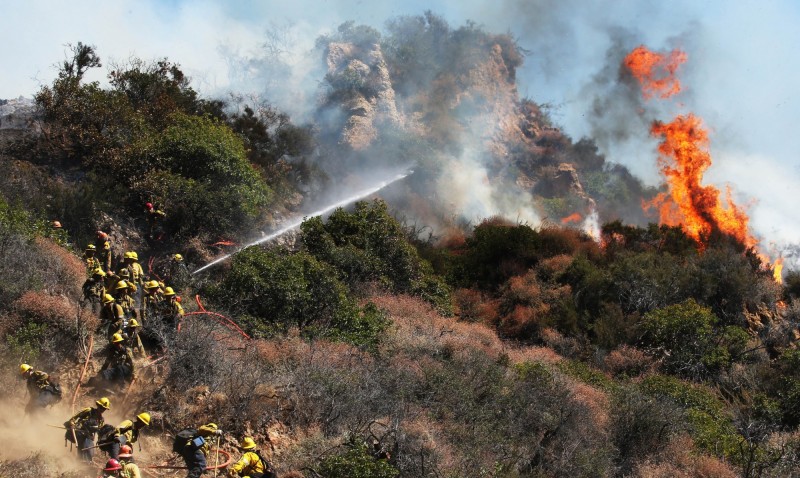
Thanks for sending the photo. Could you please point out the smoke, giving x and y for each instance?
(740, 78)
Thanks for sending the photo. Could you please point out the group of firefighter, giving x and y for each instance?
(126, 301)
(87, 431)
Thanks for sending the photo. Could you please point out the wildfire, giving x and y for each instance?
(683, 160)
(574, 217)
(777, 270)
(699, 209)
(655, 72)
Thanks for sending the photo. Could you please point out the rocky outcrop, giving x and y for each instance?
(362, 92)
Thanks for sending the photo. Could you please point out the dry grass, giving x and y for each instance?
(679, 461)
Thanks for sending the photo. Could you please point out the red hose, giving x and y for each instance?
(83, 373)
(228, 461)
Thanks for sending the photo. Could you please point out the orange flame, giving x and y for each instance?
(655, 72)
(697, 208)
(574, 217)
(777, 270)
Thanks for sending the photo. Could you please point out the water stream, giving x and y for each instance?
(295, 223)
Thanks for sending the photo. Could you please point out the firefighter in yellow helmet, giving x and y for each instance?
(174, 313)
(123, 294)
(119, 366)
(251, 464)
(94, 288)
(90, 258)
(131, 262)
(126, 433)
(84, 425)
(42, 390)
(112, 316)
(151, 300)
(196, 447)
(132, 339)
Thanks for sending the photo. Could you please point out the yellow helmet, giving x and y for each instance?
(108, 298)
(144, 417)
(24, 368)
(56, 225)
(121, 285)
(116, 338)
(104, 402)
(98, 272)
(178, 257)
(247, 443)
(127, 255)
(153, 284)
(134, 255)
(124, 272)
(212, 426)
(91, 247)
(133, 323)
(169, 291)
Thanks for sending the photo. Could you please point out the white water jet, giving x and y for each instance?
(297, 222)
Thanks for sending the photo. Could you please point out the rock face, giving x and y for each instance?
(364, 92)
(16, 113)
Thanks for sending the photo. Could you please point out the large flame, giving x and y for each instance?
(777, 270)
(683, 161)
(655, 72)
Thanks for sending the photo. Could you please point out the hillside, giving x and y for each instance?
(503, 311)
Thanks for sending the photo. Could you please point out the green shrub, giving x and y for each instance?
(356, 462)
(710, 425)
(369, 245)
(275, 290)
(684, 336)
(26, 341)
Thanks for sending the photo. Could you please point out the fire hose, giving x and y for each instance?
(83, 372)
(226, 456)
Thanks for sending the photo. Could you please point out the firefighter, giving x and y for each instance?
(43, 391)
(83, 426)
(151, 300)
(102, 245)
(195, 451)
(56, 225)
(131, 262)
(177, 273)
(113, 469)
(126, 433)
(251, 464)
(90, 258)
(155, 218)
(129, 468)
(174, 309)
(132, 339)
(130, 430)
(112, 316)
(124, 299)
(119, 366)
(95, 288)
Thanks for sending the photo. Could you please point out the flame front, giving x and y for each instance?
(574, 217)
(655, 72)
(777, 270)
(683, 161)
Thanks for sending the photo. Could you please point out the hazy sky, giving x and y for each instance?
(741, 76)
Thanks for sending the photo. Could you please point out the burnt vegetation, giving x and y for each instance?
(364, 349)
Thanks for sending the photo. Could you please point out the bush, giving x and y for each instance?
(356, 462)
(369, 245)
(275, 291)
(684, 337)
